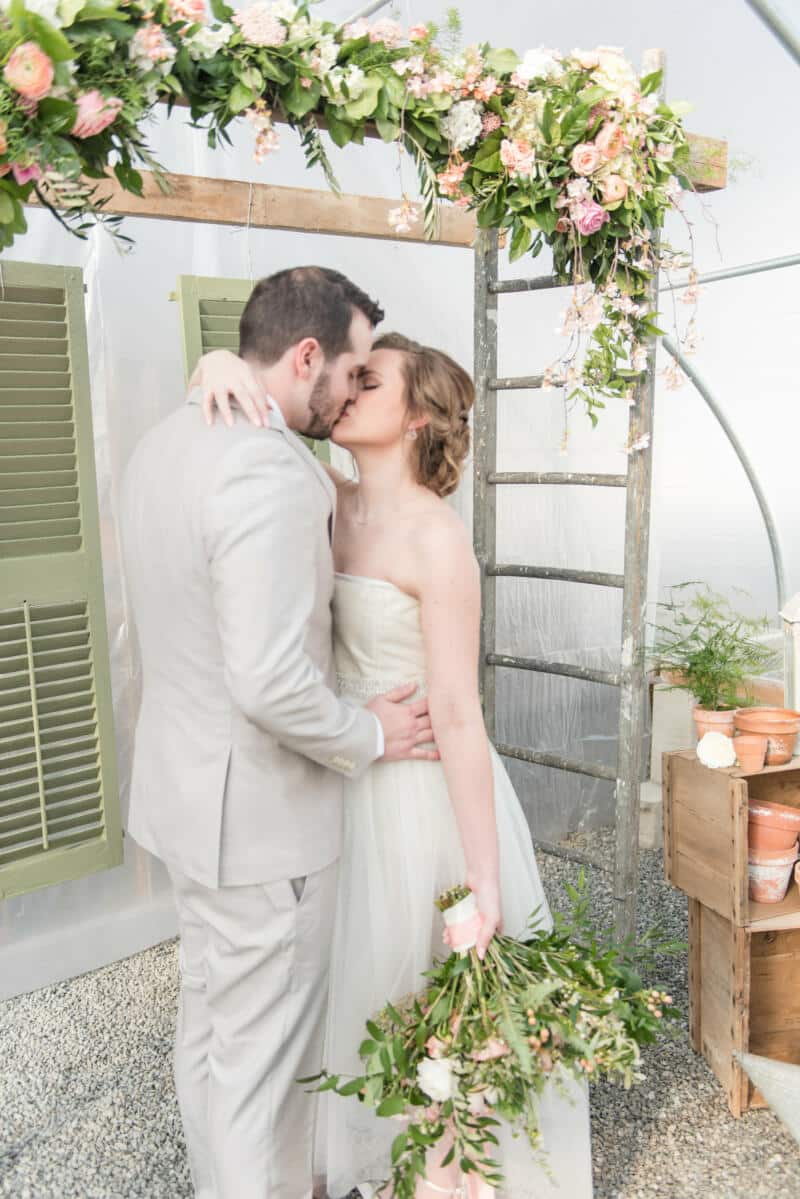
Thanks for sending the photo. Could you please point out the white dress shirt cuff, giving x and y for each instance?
(381, 740)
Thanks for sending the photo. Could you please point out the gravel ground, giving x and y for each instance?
(88, 1111)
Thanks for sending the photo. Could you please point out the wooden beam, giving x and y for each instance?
(262, 206)
(708, 162)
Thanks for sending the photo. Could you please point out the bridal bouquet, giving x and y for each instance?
(480, 1042)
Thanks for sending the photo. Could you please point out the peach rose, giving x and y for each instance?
(191, 11)
(613, 188)
(610, 141)
(95, 113)
(29, 71)
(585, 158)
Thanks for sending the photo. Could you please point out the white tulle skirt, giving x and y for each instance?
(401, 850)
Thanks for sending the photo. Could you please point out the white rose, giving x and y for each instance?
(615, 73)
(540, 63)
(463, 125)
(284, 10)
(716, 751)
(436, 1077)
(207, 42)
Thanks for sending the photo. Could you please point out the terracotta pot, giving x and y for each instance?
(706, 721)
(772, 825)
(751, 749)
(770, 872)
(779, 725)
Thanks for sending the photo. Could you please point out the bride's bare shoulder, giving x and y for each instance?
(444, 543)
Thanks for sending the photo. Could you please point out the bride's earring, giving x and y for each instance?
(412, 434)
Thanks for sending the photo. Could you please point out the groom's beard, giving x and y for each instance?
(323, 413)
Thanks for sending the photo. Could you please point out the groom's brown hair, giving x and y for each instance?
(305, 301)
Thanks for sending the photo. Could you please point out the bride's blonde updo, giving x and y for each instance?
(436, 387)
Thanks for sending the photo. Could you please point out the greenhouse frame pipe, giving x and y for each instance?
(735, 272)
(786, 36)
(741, 453)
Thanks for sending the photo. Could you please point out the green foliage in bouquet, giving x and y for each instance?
(712, 648)
(481, 1041)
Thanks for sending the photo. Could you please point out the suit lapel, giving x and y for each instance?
(276, 420)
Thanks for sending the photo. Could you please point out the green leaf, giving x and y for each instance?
(389, 130)
(490, 165)
(375, 1032)
(57, 114)
(6, 208)
(520, 241)
(223, 12)
(393, 1105)
(273, 70)
(395, 89)
(341, 132)
(51, 40)
(501, 62)
(651, 83)
(299, 100)
(367, 102)
(130, 179)
(352, 1087)
(240, 98)
(398, 1146)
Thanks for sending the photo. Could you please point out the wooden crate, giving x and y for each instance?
(744, 957)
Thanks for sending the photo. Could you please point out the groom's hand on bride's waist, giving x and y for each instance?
(406, 727)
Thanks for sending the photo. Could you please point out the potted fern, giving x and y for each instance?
(704, 646)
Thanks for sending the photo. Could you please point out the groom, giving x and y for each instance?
(241, 742)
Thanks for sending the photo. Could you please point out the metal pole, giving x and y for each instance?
(741, 454)
(485, 460)
(773, 21)
(367, 11)
(736, 272)
(630, 750)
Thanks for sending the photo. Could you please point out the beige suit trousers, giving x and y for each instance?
(253, 993)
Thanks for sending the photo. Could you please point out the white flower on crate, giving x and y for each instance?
(437, 1078)
(716, 751)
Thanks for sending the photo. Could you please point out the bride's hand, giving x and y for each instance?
(487, 895)
(223, 378)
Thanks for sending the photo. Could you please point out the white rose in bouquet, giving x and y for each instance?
(437, 1078)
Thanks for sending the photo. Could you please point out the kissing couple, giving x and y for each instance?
(311, 762)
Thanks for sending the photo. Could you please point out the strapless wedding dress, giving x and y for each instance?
(401, 849)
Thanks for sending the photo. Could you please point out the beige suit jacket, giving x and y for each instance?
(241, 740)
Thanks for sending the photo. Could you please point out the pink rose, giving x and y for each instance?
(518, 157)
(191, 11)
(95, 113)
(25, 174)
(494, 1048)
(29, 71)
(614, 189)
(418, 33)
(585, 158)
(435, 1047)
(610, 141)
(589, 217)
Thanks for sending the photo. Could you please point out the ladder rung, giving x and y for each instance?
(499, 287)
(595, 577)
(519, 476)
(586, 673)
(539, 758)
(517, 383)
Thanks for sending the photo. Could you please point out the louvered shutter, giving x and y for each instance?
(59, 804)
(210, 312)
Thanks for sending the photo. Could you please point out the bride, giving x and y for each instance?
(407, 607)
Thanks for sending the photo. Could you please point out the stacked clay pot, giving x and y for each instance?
(779, 725)
(773, 832)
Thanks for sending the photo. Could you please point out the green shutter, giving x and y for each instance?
(59, 804)
(210, 312)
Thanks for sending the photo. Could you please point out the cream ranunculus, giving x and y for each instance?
(437, 1078)
(615, 73)
(585, 158)
(613, 189)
